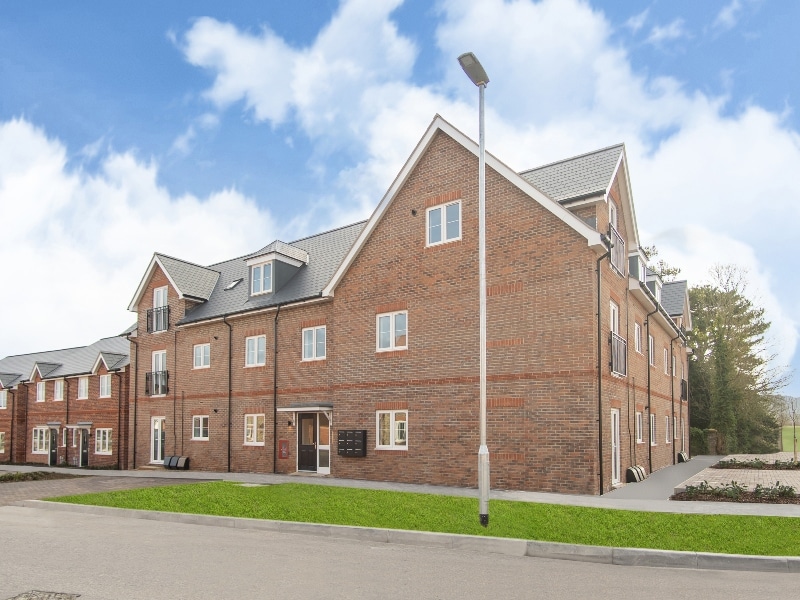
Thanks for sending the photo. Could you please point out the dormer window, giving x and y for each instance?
(261, 278)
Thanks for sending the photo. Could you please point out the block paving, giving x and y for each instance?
(748, 478)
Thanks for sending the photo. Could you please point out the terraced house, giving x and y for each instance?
(354, 352)
(66, 407)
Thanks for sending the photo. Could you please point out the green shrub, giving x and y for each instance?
(697, 442)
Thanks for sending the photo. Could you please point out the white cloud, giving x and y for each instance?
(728, 16)
(561, 84)
(667, 33)
(86, 239)
(636, 22)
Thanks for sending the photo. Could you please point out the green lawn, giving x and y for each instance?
(774, 536)
(788, 439)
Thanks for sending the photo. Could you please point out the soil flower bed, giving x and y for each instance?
(34, 476)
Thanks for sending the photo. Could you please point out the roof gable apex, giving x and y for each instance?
(439, 124)
(187, 279)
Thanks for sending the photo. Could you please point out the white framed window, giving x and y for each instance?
(613, 317)
(58, 390)
(83, 388)
(314, 343)
(637, 337)
(2, 442)
(102, 441)
(41, 389)
(200, 427)
(256, 351)
(674, 428)
(639, 427)
(392, 331)
(392, 427)
(202, 356)
(666, 361)
(64, 437)
(261, 278)
(74, 438)
(254, 430)
(3, 399)
(652, 430)
(612, 213)
(443, 223)
(674, 370)
(160, 299)
(651, 350)
(105, 386)
(41, 440)
(668, 437)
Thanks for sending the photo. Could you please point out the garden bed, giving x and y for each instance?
(34, 476)
(777, 465)
(735, 492)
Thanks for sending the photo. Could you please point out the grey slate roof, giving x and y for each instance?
(114, 361)
(325, 253)
(673, 297)
(46, 368)
(576, 177)
(70, 361)
(192, 280)
(8, 380)
(280, 247)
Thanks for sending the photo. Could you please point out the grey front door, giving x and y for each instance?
(53, 447)
(84, 448)
(307, 443)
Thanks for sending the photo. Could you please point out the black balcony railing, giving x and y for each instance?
(158, 319)
(684, 389)
(619, 355)
(618, 257)
(155, 383)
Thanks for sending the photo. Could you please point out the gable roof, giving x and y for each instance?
(675, 300)
(578, 177)
(279, 247)
(68, 362)
(324, 252)
(440, 125)
(189, 280)
(111, 360)
(8, 380)
(45, 369)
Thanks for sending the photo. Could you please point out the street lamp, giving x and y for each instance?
(472, 67)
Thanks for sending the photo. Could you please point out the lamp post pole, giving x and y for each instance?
(472, 67)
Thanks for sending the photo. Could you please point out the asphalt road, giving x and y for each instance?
(113, 557)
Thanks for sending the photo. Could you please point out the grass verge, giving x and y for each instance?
(788, 438)
(768, 536)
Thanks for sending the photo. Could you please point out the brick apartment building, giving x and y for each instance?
(354, 352)
(66, 407)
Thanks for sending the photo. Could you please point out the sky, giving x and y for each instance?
(206, 131)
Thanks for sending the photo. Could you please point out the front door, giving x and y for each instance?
(84, 461)
(53, 447)
(615, 462)
(307, 443)
(158, 437)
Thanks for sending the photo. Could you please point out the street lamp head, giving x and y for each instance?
(473, 68)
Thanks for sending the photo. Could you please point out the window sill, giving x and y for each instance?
(392, 451)
(102, 453)
(201, 368)
(440, 244)
(254, 444)
(199, 439)
(255, 366)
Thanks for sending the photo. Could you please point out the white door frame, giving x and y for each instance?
(615, 450)
(153, 458)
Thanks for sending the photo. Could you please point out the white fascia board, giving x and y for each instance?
(593, 238)
(97, 362)
(134, 305)
(34, 371)
(273, 256)
(630, 212)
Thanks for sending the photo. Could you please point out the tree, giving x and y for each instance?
(663, 269)
(733, 387)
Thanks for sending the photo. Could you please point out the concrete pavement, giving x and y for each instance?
(649, 496)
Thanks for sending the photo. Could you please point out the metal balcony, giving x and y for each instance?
(158, 319)
(619, 355)
(618, 257)
(155, 383)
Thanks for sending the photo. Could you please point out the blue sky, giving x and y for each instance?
(206, 131)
